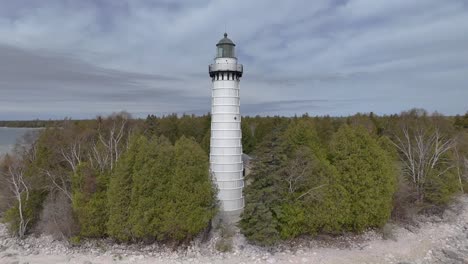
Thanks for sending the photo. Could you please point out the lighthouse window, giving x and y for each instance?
(225, 51)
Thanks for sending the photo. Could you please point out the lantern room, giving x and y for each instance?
(225, 48)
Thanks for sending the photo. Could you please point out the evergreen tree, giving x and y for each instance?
(89, 200)
(264, 192)
(248, 142)
(302, 133)
(367, 174)
(120, 189)
(191, 192)
(150, 191)
(314, 200)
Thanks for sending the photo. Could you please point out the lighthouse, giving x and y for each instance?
(226, 137)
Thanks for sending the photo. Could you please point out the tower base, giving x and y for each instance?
(228, 218)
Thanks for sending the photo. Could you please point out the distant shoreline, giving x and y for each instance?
(22, 127)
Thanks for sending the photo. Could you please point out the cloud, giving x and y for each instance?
(101, 56)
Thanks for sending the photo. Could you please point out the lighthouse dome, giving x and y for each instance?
(225, 48)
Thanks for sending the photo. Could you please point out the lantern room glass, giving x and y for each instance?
(225, 51)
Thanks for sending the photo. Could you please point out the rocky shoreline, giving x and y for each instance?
(436, 240)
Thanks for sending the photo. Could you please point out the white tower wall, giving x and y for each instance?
(226, 136)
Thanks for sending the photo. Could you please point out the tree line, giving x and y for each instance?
(107, 178)
(148, 179)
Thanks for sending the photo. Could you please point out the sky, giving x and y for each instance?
(83, 58)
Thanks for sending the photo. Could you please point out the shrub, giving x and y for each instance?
(56, 218)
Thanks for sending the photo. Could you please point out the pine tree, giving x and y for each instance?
(264, 192)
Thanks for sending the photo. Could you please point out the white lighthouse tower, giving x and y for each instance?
(226, 138)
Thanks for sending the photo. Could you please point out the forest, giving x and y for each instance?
(146, 180)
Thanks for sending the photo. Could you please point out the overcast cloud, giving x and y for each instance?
(82, 58)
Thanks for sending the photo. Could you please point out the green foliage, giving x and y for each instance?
(159, 191)
(310, 175)
(325, 209)
(248, 142)
(442, 183)
(151, 183)
(263, 193)
(120, 189)
(461, 121)
(192, 193)
(295, 189)
(173, 127)
(89, 201)
(75, 240)
(31, 209)
(367, 174)
(291, 217)
(302, 133)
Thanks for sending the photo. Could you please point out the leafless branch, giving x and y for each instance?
(421, 154)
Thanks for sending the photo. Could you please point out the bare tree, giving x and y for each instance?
(56, 218)
(421, 154)
(466, 164)
(460, 169)
(106, 150)
(26, 146)
(297, 171)
(60, 182)
(465, 169)
(72, 154)
(14, 176)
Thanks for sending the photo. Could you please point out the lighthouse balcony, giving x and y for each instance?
(225, 67)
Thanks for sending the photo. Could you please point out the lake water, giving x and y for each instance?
(8, 137)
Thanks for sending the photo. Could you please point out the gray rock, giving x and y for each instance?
(9, 255)
(452, 254)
